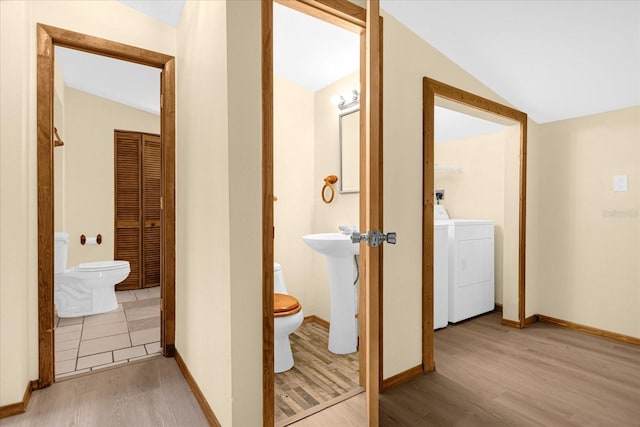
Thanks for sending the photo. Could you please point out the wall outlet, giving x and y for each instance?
(439, 195)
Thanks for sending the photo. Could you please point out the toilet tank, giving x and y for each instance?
(278, 280)
(61, 250)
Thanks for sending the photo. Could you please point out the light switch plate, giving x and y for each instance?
(620, 183)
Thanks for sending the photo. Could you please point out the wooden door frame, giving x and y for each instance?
(353, 18)
(431, 89)
(47, 38)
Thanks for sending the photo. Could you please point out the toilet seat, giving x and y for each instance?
(102, 265)
(285, 305)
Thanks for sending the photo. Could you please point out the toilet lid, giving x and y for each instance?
(285, 305)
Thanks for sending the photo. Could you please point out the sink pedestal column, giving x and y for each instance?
(343, 328)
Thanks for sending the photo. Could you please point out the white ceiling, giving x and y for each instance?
(125, 82)
(551, 59)
(167, 11)
(311, 52)
(452, 125)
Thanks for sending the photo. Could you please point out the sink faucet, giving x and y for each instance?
(348, 230)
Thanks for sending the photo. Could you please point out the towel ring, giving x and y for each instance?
(328, 183)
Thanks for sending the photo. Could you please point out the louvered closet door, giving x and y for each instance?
(127, 244)
(138, 178)
(151, 186)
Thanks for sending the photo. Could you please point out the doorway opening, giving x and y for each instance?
(494, 170)
(50, 38)
(367, 24)
(316, 136)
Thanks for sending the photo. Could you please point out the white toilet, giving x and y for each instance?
(288, 317)
(88, 288)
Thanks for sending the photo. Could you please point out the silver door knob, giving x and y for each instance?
(374, 238)
(391, 238)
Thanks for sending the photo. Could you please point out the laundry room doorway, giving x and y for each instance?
(512, 222)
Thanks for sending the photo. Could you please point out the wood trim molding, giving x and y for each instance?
(402, 377)
(381, 205)
(428, 164)
(522, 219)
(20, 407)
(431, 89)
(268, 369)
(315, 319)
(511, 323)
(589, 330)
(515, 323)
(168, 239)
(45, 206)
(48, 37)
(104, 47)
(342, 13)
(372, 190)
(197, 393)
(497, 307)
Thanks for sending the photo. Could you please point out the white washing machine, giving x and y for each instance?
(440, 275)
(471, 266)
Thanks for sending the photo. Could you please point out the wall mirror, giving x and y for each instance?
(350, 151)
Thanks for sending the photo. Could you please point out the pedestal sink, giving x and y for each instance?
(339, 253)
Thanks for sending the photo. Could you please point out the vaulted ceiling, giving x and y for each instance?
(551, 59)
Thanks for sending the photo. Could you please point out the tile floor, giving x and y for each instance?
(131, 332)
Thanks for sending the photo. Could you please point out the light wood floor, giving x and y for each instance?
(487, 375)
(491, 375)
(148, 393)
(317, 377)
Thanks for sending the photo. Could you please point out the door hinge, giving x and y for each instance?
(161, 203)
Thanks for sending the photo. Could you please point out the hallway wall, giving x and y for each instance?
(219, 212)
(590, 234)
(89, 193)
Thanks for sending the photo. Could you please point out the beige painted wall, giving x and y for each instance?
(344, 209)
(16, 219)
(478, 191)
(245, 201)
(307, 149)
(88, 169)
(203, 336)
(589, 234)
(219, 252)
(293, 160)
(511, 218)
(58, 154)
(18, 196)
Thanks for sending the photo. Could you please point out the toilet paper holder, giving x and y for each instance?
(83, 239)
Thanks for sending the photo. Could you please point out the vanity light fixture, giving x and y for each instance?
(346, 100)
